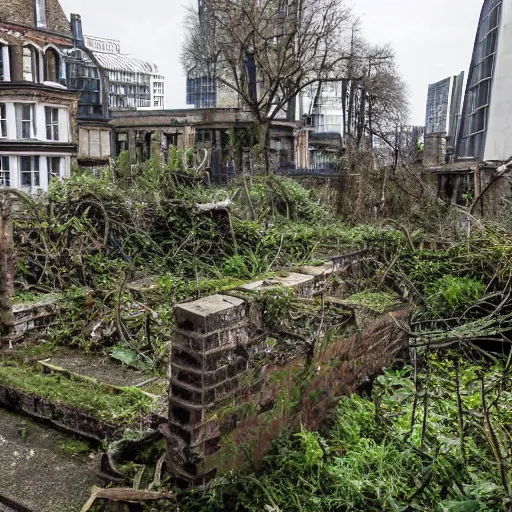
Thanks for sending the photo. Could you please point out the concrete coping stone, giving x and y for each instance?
(211, 305)
(292, 280)
(27, 307)
(324, 270)
(211, 313)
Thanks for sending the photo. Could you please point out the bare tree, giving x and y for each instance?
(267, 51)
(388, 101)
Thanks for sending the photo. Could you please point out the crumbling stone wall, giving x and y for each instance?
(434, 152)
(225, 407)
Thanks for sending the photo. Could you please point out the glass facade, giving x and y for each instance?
(83, 76)
(201, 90)
(478, 90)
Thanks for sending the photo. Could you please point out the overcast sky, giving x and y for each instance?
(432, 39)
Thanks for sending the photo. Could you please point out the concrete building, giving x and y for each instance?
(486, 131)
(38, 113)
(85, 76)
(321, 106)
(106, 79)
(129, 82)
(215, 130)
(42, 52)
(205, 90)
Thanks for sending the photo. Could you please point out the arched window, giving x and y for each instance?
(51, 65)
(30, 64)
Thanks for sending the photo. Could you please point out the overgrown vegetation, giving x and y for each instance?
(377, 302)
(119, 408)
(434, 434)
(92, 236)
(378, 453)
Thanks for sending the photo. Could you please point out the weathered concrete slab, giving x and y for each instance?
(31, 315)
(35, 471)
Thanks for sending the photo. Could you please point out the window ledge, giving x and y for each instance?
(55, 84)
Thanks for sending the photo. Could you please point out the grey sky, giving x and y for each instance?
(432, 39)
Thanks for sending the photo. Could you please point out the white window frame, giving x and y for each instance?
(20, 120)
(40, 13)
(3, 120)
(52, 174)
(34, 173)
(6, 64)
(52, 123)
(5, 171)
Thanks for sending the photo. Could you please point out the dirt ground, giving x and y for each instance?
(35, 472)
(100, 367)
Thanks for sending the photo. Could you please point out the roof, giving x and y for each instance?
(120, 62)
(108, 54)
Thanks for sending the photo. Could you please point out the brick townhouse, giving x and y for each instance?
(38, 114)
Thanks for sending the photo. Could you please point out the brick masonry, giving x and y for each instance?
(31, 316)
(224, 407)
(22, 12)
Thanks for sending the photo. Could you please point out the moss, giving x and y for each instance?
(32, 352)
(121, 408)
(376, 302)
(74, 448)
(22, 297)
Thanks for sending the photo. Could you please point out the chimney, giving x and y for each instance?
(76, 30)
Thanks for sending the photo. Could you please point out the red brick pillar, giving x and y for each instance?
(207, 357)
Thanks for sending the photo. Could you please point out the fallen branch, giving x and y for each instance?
(125, 494)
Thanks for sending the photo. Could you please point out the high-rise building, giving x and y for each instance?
(442, 119)
(202, 84)
(486, 130)
(443, 106)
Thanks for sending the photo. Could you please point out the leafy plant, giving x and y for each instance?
(448, 294)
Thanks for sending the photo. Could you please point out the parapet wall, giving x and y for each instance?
(233, 388)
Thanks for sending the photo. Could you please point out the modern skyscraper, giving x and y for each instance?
(486, 128)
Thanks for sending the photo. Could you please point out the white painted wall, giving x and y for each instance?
(498, 144)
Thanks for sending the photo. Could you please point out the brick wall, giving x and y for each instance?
(23, 12)
(226, 406)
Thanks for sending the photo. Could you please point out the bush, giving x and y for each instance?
(449, 295)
